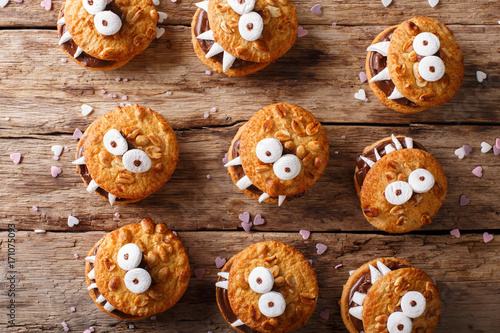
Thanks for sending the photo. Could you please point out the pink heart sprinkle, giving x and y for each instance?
(434, 279)
(334, 24)
(478, 171)
(496, 150)
(246, 226)
(305, 233)
(47, 4)
(316, 9)
(199, 272)
(55, 171)
(174, 232)
(225, 159)
(467, 149)
(324, 314)
(77, 134)
(220, 262)
(301, 32)
(487, 237)
(244, 217)
(321, 248)
(16, 158)
(362, 77)
(497, 143)
(18, 1)
(464, 200)
(455, 232)
(258, 220)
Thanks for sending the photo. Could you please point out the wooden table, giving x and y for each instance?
(42, 96)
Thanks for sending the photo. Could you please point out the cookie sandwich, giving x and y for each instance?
(390, 295)
(278, 154)
(137, 271)
(240, 37)
(400, 184)
(415, 65)
(268, 287)
(127, 154)
(103, 35)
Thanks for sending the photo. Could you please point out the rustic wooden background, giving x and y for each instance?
(42, 97)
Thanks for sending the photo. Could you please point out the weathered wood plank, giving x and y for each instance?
(50, 280)
(192, 202)
(343, 12)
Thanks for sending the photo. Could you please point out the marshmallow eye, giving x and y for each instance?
(129, 256)
(261, 280)
(107, 23)
(413, 304)
(421, 180)
(269, 150)
(398, 192)
(94, 6)
(250, 26)
(137, 280)
(431, 68)
(398, 322)
(287, 167)
(242, 6)
(272, 304)
(426, 44)
(136, 161)
(115, 143)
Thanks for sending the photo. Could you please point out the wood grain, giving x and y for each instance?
(465, 269)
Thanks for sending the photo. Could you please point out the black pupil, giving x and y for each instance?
(91, 2)
(105, 23)
(422, 178)
(259, 280)
(432, 69)
(125, 256)
(268, 153)
(270, 304)
(113, 144)
(249, 26)
(413, 303)
(287, 169)
(241, 2)
(425, 42)
(135, 281)
(137, 163)
(398, 192)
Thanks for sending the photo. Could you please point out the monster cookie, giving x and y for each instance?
(268, 287)
(415, 65)
(401, 186)
(278, 154)
(127, 154)
(137, 271)
(389, 295)
(103, 35)
(240, 37)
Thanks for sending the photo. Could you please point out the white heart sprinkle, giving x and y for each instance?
(72, 221)
(159, 32)
(361, 95)
(3, 3)
(460, 153)
(481, 76)
(386, 2)
(57, 149)
(86, 109)
(485, 147)
(433, 3)
(163, 17)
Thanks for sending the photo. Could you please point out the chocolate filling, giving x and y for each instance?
(225, 306)
(238, 169)
(84, 58)
(377, 64)
(363, 168)
(363, 285)
(202, 25)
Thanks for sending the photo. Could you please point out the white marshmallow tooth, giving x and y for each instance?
(395, 94)
(129, 256)
(214, 50)
(413, 304)
(374, 274)
(367, 161)
(91, 275)
(377, 155)
(243, 183)
(233, 162)
(381, 48)
(396, 142)
(207, 35)
(64, 38)
(111, 199)
(137, 280)
(108, 307)
(90, 259)
(237, 323)
(356, 312)
(227, 61)
(281, 199)
(382, 76)
(92, 286)
(79, 161)
(224, 275)
(136, 161)
(398, 322)
(358, 297)
(203, 5)
(383, 268)
(409, 143)
(78, 52)
(261, 280)
(92, 186)
(263, 197)
(389, 149)
(222, 284)
(100, 299)
(272, 304)
(398, 192)
(61, 21)
(421, 180)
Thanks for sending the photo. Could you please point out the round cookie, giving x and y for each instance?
(392, 197)
(375, 63)
(361, 281)
(403, 62)
(115, 272)
(199, 25)
(299, 163)
(277, 19)
(147, 156)
(268, 287)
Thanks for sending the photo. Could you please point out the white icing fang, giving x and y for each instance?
(233, 162)
(224, 275)
(64, 38)
(263, 197)
(108, 307)
(281, 199)
(92, 286)
(238, 323)
(395, 94)
(80, 161)
(207, 35)
(92, 186)
(367, 161)
(374, 274)
(243, 183)
(222, 284)
(61, 21)
(356, 312)
(377, 155)
(358, 297)
(90, 259)
(389, 149)
(409, 143)
(91, 275)
(227, 61)
(396, 142)
(111, 199)
(383, 268)
(215, 49)
(100, 299)
(78, 52)
(382, 76)
(203, 5)
(381, 48)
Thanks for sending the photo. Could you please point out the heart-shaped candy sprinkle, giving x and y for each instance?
(316, 9)
(220, 262)
(478, 171)
(305, 233)
(481, 76)
(362, 77)
(244, 217)
(460, 152)
(324, 314)
(47, 4)
(321, 248)
(463, 201)
(361, 95)
(455, 232)
(258, 220)
(485, 147)
(301, 32)
(199, 272)
(16, 158)
(246, 226)
(487, 237)
(55, 171)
